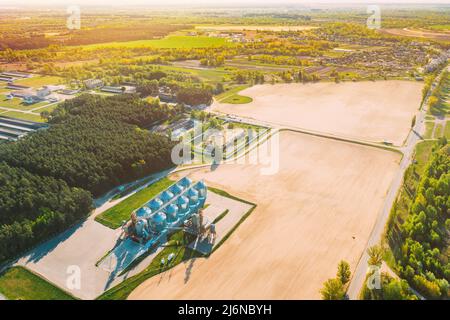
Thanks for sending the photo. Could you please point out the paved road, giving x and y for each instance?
(414, 137)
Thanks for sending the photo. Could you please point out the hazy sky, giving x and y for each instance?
(205, 2)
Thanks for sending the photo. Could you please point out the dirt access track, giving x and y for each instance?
(372, 111)
(318, 209)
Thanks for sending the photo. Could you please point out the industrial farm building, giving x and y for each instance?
(13, 129)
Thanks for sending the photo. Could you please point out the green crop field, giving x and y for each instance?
(207, 75)
(440, 27)
(114, 216)
(24, 116)
(18, 283)
(39, 81)
(170, 42)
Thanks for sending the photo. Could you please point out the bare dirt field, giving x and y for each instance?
(419, 33)
(373, 111)
(318, 209)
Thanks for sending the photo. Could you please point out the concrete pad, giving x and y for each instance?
(76, 249)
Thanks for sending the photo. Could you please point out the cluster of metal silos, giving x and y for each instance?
(170, 208)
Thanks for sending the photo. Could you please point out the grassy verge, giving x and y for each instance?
(230, 93)
(18, 283)
(438, 131)
(221, 216)
(24, 116)
(114, 216)
(226, 194)
(379, 145)
(447, 130)
(429, 126)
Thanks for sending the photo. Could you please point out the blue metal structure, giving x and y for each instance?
(151, 224)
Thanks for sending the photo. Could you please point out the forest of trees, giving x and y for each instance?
(34, 207)
(93, 144)
(423, 238)
(127, 108)
(194, 96)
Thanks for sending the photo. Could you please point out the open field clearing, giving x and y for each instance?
(18, 283)
(419, 33)
(205, 74)
(168, 42)
(254, 28)
(39, 81)
(23, 115)
(375, 111)
(319, 208)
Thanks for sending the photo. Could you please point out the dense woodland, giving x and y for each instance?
(422, 240)
(194, 96)
(34, 207)
(93, 144)
(125, 108)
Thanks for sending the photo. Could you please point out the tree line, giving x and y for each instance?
(421, 241)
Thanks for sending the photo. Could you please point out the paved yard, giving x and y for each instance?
(81, 246)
